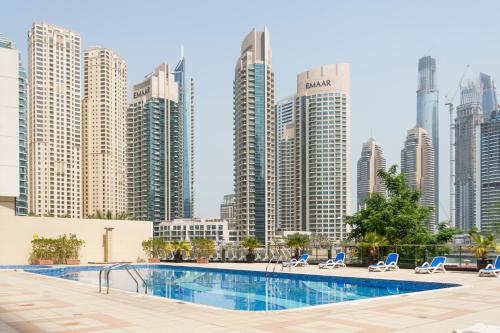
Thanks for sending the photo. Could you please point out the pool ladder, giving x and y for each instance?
(107, 270)
(276, 263)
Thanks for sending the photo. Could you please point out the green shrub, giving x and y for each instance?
(202, 248)
(155, 247)
(57, 249)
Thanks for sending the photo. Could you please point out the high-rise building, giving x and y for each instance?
(284, 115)
(54, 130)
(489, 101)
(428, 115)
(154, 149)
(467, 151)
(227, 208)
(254, 138)
(104, 109)
(286, 179)
(490, 173)
(322, 150)
(186, 106)
(417, 163)
(9, 127)
(371, 161)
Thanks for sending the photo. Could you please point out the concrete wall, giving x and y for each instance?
(125, 242)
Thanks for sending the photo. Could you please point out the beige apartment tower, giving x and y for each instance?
(104, 109)
(371, 161)
(54, 121)
(254, 138)
(417, 163)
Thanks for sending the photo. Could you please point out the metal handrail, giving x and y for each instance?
(109, 268)
(269, 263)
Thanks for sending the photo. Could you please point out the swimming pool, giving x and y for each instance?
(245, 290)
(24, 267)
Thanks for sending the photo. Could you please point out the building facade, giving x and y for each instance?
(428, 115)
(188, 229)
(104, 109)
(322, 151)
(54, 121)
(467, 158)
(254, 138)
(227, 208)
(417, 163)
(490, 173)
(371, 161)
(9, 127)
(284, 115)
(286, 179)
(489, 102)
(154, 149)
(186, 106)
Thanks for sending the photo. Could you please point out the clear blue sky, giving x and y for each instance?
(381, 40)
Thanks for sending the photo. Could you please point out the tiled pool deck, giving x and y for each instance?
(34, 303)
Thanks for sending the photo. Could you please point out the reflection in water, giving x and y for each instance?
(248, 290)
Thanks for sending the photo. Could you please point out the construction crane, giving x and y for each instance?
(449, 103)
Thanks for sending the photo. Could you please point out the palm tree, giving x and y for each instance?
(297, 241)
(481, 246)
(373, 242)
(250, 243)
(178, 247)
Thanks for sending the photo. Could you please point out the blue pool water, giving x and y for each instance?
(23, 266)
(245, 290)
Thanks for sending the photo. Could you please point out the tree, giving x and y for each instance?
(398, 217)
(482, 244)
(250, 243)
(178, 247)
(445, 233)
(297, 241)
(154, 247)
(373, 242)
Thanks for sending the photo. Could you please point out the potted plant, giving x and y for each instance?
(178, 248)
(43, 251)
(250, 243)
(154, 248)
(481, 246)
(202, 249)
(373, 242)
(74, 245)
(297, 241)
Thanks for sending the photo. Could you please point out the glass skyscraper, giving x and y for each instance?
(254, 138)
(490, 173)
(489, 101)
(186, 107)
(154, 149)
(371, 161)
(428, 114)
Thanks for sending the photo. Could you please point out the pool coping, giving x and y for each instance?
(306, 308)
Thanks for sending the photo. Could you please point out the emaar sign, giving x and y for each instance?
(318, 84)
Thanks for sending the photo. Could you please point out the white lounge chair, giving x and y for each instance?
(491, 270)
(390, 263)
(339, 261)
(302, 261)
(436, 265)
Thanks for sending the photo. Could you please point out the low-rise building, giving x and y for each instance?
(188, 229)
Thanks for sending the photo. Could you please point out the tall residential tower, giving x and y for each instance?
(54, 130)
(254, 138)
(186, 106)
(428, 115)
(467, 161)
(371, 161)
(417, 163)
(104, 109)
(154, 148)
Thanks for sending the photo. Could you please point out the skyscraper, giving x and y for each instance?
(186, 106)
(227, 208)
(54, 130)
(428, 115)
(154, 148)
(417, 163)
(284, 115)
(286, 179)
(489, 101)
(322, 150)
(371, 161)
(490, 173)
(9, 127)
(467, 152)
(254, 138)
(104, 109)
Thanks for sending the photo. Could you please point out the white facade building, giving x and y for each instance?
(54, 130)
(9, 127)
(188, 229)
(371, 161)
